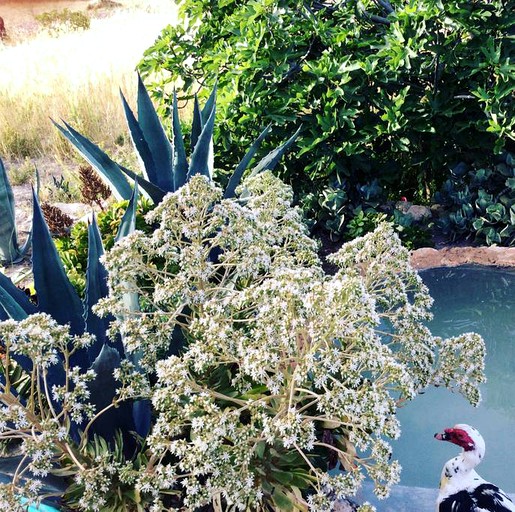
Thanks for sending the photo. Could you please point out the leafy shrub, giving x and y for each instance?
(58, 21)
(255, 406)
(396, 92)
(479, 203)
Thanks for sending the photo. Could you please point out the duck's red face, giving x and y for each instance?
(457, 436)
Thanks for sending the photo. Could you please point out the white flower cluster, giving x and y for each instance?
(265, 371)
(276, 356)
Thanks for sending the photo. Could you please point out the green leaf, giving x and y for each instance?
(259, 449)
(283, 477)
(282, 501)
(108, 169)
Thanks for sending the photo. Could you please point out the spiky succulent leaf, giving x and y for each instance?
(201, 161)
(9, 250)
(96, 288)
(235, 179)
(56, 295)
(196, 124)
(17, 464)
(109, 170)
(103, 390)
(153, 191)
(156, 139)
(138, 139)
(141, 411)
(209, 105)
(272, 159)
(14, 301)
(180, 166)
(128, 223)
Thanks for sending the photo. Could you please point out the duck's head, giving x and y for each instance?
(465, 436)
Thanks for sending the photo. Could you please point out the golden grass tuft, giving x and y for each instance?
(75, 77)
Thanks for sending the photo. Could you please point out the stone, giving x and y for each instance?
(419, 213)
(455, 256)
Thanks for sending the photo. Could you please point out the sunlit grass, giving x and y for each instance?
(75, 77)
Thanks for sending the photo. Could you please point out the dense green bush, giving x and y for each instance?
(396, 92)
(479, 203)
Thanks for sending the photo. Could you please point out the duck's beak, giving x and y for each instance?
(443, 436)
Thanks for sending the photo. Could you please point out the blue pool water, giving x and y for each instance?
(467, 299)
(479, 299)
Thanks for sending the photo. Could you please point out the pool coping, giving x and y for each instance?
(427, 257)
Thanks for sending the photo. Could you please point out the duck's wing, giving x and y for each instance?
(457, 502)
(485, 497)
(488, 497)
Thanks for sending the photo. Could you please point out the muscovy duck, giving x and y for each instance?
(461, 488)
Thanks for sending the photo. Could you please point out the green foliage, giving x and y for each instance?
(479, 203)
(396, 93)
(58, 21)
(412, 234)
(73, 249)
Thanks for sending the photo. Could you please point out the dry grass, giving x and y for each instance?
(75, 77)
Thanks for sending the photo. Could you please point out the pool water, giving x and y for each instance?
(479, 299)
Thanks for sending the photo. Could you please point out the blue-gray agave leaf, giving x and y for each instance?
(138, 139)
(96, 288)
(201, 161)
(209, 106)
(56, 295)
(235, 179)
(9, 250)
(271, 160)
(155, 193)
(154, 134)
(108, 169)
(102, 391)
(141, 411)
(181, 162)
(14, 301)
(196, 124)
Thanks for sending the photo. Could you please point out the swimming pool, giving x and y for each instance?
(479, 299)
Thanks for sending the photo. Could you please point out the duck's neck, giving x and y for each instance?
(460, 469)
(468, 460)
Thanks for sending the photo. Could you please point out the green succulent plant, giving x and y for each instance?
(165, 167)
(479, 204)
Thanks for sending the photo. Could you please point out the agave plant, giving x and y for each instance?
(165, 166)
